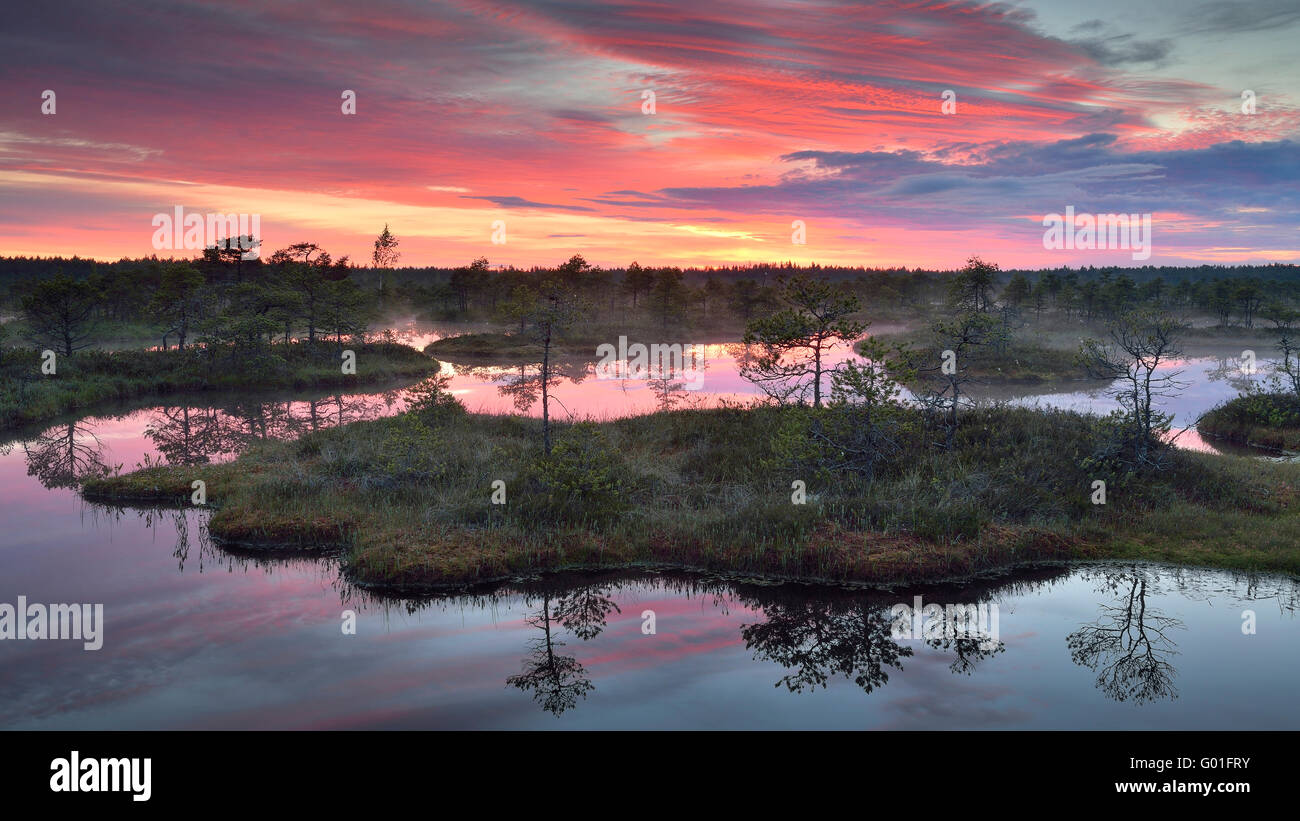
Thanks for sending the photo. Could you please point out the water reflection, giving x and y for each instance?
(557, 681)
(967, 651)
(726, 652)
(1083, 647)
(1130, 645)
(1212, 378)
(188, 435)
(242, 423)
(815, 640)
(523, 385)
(815, 635)
(193, 549)
(1239, 374)
(65, 456)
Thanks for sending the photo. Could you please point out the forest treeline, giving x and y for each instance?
(303, 290)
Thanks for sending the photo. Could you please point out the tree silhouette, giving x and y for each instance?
(1127, 646)
(385, 256)
(817, 639)
(545, 314)
(558, 681)
(795, 341)
(64, 456)
(968, 650)
(187, 435)
(1142, 344)
(60, 312)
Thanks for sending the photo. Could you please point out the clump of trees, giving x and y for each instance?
(61, 312)
(235, 309)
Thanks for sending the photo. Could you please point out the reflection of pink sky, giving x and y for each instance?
(1189, 438)
(718, 376)
(124, 443)
(233, 637)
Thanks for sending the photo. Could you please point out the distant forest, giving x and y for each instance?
(19, 268)
(302, 288)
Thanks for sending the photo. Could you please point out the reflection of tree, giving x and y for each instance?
(524, 384)
(558, 681)
(1264, 587)
(192, 435)
(968, 651)
(1230, 370)
(584, 611)
(187, 435)
(667, 393)
(818, 638)
(176, 521)
(65, 456)
(742, 355)
(521, 388)
(814, 632)
(1127, 645)
(668, 382)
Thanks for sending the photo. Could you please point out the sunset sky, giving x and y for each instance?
(766, 112)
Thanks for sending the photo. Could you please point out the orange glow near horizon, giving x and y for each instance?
(764, 114)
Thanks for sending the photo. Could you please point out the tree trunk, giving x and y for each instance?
(546, 395)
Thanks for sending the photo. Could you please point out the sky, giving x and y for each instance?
(530, 124)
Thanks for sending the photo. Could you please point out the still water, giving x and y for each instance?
(197, 636)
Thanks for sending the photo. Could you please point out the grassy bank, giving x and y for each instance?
(107, 336)
(89, 378)
(1269, 420)
(496, 346)
(409, 498)
(578, 342)
(1022, 361)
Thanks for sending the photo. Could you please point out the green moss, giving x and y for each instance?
(1022, 361)
(409, 499)
(1269, 420)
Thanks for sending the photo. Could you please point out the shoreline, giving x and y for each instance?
(406, 504)
(414, 587)
(112, 378)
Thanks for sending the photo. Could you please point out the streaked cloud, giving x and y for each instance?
(469, 111)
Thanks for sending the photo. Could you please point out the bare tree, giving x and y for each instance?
(1138, 355)
(946, 377)
(1288, 344)
(544, 314)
